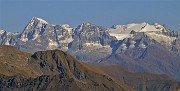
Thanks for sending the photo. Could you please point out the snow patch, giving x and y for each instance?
(135, 27)
(67, 27)
(6, 43)
(121, 36)
(35, 35)
(41, 20)
(52, 44)
(132, 44)
(16, 33)
(149, 28)
(69, 30)
(123, 46)
(24, 38)
(2, 31)
(115, 31)
(67, 40)
(94, 45)
(167, 40)
(142, 45)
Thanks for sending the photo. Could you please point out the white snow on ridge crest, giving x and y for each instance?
(39, 19)
(149, 28)
(42, 20)
(2, 31)
(121, 36)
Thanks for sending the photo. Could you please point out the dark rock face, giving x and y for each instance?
(50, 83)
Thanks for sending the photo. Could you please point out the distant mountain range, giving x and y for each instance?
(139, 47)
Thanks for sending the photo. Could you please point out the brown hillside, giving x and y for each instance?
(52, 70)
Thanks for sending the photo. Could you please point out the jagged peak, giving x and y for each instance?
(5, 32)
(35, 20)
(2, 31)
(79, 27)
(39, 19)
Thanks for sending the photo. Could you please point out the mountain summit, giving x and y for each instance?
(36, 19)
(138, 46)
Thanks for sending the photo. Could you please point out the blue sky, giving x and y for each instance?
(15, 14)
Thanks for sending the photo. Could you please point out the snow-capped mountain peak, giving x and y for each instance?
(63, 36)
(39, 20)
(36, 22)
(33, 28)
(154, 31)
(90, 42)
(139, 27)
(2, 31)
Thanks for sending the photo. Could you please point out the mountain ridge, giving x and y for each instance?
(53, 70)
(92, 43)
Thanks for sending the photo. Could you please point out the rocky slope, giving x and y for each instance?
(138, 46)
(141, 81)
(55, 70)
(154, 57)
(52, 70)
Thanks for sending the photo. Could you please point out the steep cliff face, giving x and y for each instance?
(39, 35)
(91, 42)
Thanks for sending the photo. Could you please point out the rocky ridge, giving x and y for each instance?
(141, 47)
(52, 70)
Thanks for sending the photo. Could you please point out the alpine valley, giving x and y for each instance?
(137, 56)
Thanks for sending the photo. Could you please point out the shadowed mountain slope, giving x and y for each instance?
(141, 81)
(52, 70)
